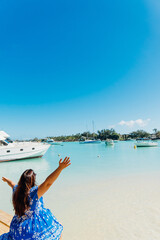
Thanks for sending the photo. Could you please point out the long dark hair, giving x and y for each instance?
(20, 196)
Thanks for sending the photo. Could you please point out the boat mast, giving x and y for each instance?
(87, 129)
(93, 127)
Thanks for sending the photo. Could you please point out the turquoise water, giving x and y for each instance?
(90, 162)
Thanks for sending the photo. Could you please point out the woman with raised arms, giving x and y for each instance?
(32, 220)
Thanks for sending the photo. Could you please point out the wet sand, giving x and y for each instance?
(117, 208)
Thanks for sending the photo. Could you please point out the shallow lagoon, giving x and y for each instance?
(100, 177)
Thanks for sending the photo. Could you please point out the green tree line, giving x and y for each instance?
(106, 134)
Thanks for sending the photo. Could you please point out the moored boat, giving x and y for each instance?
(10, 150)
(109, 142)
(145, 143)
(86, 141)
(52, 142)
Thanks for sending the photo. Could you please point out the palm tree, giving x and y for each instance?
(155, 130)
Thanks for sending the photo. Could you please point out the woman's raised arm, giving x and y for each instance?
(53, 176)
(9, 182)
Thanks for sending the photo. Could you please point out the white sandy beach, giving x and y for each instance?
(120, 208)
(115, 208)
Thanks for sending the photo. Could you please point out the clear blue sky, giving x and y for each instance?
(66, 63)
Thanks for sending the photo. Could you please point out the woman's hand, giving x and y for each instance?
(65, 163)
(4, 179)
(10, 183)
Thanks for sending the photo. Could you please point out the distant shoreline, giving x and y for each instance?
(103, 135)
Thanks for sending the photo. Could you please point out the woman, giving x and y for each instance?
(32, 220)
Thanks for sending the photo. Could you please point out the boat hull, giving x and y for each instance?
(87, 142)
(109, 143)
(146, 144)
(29, 151)
(16, 159)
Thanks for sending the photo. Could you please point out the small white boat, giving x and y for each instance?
(86, 141)
(145, 143)
(109, 142)
(52, 142)
(10, 150)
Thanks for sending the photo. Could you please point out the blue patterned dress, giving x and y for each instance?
(37, 223)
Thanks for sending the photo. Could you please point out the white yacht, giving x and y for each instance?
(145, 143)
(10, 150)
(86, 141)
(109, 142)
(51, 141)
